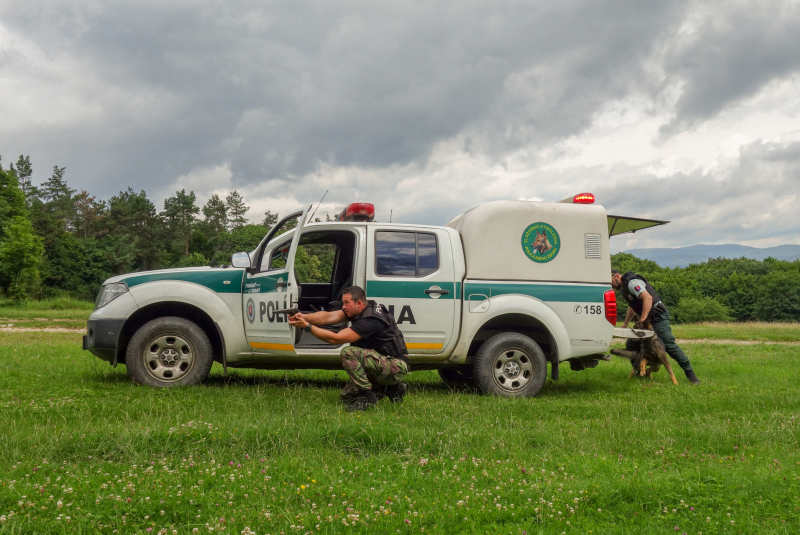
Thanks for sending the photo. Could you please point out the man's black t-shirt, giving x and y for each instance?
(379, 332)
(367, 327)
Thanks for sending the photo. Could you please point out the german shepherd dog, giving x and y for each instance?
(541, 243)
(651, 354)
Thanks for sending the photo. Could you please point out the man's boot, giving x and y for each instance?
(397, 392)
(692, 377)
(365, 400)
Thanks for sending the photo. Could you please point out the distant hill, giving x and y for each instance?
(696, 254)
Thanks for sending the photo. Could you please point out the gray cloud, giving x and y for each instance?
(754, 200)
(293, 98)
(277, 91)
(727, 53)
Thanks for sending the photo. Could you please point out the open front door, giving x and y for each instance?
(622, 225)
(270, 285)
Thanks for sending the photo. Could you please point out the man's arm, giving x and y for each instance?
(647, 304)
(628, 317)
(345, 336)
(321, 318)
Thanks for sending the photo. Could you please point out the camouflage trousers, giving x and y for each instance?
(369, 370)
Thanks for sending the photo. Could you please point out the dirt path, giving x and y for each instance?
(41, 330)
(81, 330)
(736, 342)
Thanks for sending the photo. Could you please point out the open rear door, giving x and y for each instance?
(622, 225)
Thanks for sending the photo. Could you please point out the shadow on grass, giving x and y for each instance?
(233, 379)
(360, 442)
(324, 379)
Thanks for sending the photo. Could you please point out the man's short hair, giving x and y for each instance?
(615, 272)
(356, 292)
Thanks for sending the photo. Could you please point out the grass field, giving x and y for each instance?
(83, 450)
(758, 331)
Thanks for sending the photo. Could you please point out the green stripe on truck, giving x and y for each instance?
(544, 292)
(407, 289)
(213, 280)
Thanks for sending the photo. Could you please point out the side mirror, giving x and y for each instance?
(240, 260)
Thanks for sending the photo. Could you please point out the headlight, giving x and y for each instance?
(109, 292)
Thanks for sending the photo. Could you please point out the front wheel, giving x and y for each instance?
(510, 365)
(169, 351)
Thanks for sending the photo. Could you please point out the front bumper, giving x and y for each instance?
(102, 337)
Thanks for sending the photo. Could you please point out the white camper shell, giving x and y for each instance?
(491, 234)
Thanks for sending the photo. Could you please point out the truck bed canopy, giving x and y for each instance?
(493, 237)
(622, 225)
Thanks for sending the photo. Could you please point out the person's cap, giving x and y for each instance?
(615, 272)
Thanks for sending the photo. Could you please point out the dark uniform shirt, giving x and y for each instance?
(367, 327)
(378, 331)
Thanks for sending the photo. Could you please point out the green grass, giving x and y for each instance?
(84, 450)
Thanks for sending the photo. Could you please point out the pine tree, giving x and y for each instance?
(137, 230)
(269, 219)
(88, 212)
(24, 172)
(52, 207)
(236, 210)
(216, 214)
(180, 213)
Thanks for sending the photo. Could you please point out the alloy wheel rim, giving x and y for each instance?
(512, 369)
(168, 357)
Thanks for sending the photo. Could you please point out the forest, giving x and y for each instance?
(57, 242)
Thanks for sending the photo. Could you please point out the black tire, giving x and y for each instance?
(168, 352)
(458, 377)
(510, 365)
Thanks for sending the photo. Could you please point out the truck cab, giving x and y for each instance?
(487, 299)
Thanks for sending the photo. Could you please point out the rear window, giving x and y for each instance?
(405, 254)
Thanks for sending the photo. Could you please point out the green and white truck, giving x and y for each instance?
(488, 299)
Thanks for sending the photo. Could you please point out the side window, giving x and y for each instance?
(427, 253)
(277, 258)
(405, 254)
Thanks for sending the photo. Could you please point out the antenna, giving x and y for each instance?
(390, 215)
(311, 219)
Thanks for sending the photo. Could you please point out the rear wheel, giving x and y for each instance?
(169, 351)
(510, 365)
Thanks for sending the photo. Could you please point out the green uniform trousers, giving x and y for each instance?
(367, 369)
(664, 331)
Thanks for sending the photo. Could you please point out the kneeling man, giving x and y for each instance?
(376, 360)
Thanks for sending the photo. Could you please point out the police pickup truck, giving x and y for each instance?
(487, 299)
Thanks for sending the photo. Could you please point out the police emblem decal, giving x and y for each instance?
(540, 242)
(251, 311)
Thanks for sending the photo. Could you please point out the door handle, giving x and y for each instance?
(440, 292)
(281, 284)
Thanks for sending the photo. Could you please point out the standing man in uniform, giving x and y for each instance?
(645, 302)
(376, 360)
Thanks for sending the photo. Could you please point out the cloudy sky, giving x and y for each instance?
(686, 111)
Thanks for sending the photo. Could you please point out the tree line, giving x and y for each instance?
(58, 242)
(721, 289)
